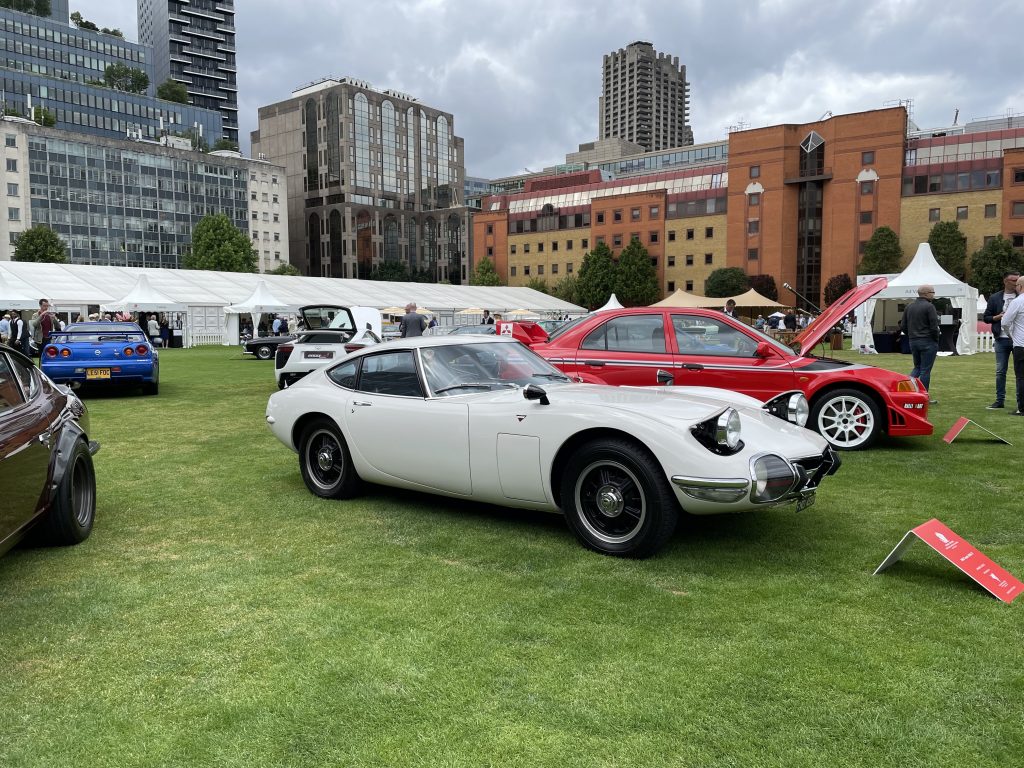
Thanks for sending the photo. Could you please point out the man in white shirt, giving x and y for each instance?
(1013, 322)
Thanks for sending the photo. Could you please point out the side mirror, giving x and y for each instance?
(533, 392)
(665, 378)
(764, 349)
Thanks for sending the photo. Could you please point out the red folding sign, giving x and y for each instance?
(995, 580)
(960, 424)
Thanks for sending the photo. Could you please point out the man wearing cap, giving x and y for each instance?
(921, 325)
(1013, 322)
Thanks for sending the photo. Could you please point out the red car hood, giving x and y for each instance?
(812, 335)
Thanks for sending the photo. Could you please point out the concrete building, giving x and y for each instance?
(193, 42)
(645, 98)
(47, 64)
(373, 177)
(133, 204)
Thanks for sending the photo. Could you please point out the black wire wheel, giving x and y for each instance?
(74, 504)
(616, 499)
(325, 462)
(264, 352)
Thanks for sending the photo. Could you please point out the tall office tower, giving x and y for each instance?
(194, 44)
(646, 99)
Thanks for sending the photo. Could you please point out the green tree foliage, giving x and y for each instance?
(115, 32)
(596, 279)
(726, 281)
(81, 23)
(566, 289)
(35, 7)
(836, 287)
(223, 143)
(392, 271)
(40, 243)
(990, 262)
(219, 245)
(949, 246)
(121, 77)
(484, 273)
(765, 285)
(172, 90)
(538, 284)
(882, 253)
(44, 117)
(636, 279)
(285, 269)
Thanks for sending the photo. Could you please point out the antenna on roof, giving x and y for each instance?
(956, 114)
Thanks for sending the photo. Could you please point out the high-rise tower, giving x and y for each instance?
(194, 44)
(646, 98)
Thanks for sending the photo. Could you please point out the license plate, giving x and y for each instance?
(319, 355)
(97, 373)
(805, 501)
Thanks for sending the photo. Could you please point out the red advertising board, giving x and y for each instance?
(995, 580)
(960, 424)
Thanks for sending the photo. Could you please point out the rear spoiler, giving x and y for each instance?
(524, 331)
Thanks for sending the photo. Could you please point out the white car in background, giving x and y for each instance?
(504, 426)
(330, 333)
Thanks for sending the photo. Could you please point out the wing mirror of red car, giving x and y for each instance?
(764, 349)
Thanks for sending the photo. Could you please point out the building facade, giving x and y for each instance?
(132, 204)
(193, 43)
(48, 66)
(373, 177)
(645, 98)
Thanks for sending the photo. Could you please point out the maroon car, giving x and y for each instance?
(47, 482)
(851, 404)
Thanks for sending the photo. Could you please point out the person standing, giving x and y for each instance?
(42, 324)
(1013, 322)
(994, 310)
(729, 308)
(165, 331)
(920, 323)
(276, 325)
(5, 328)
(488, 320)
(153, 330)
(412, 323)
(789, 321)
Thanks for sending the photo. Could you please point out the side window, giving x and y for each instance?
(705, 336)
(344, 375)
(322, 338)
(390, 373)
(10, 392)
(631, 333)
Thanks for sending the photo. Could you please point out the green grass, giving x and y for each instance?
(222, 615)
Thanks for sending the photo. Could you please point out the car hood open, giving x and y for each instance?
(812, 335)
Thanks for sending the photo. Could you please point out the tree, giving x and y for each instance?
(44, 117)
(172, 90)
(35, 7)
(989, 263)
(223, 143)
(40, 243)
(121, 77)
(765, 285)
(949, 246)
(538, 284)
(81, 23)
(219, 245)
(285, 268)
(882, 253)
(636, 280)
(836, 287)
(566, 289)
(484, 273)
(115, 32)
(726, 281)
(392, 271)
(596, 280)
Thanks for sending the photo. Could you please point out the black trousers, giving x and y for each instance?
(1018, 374)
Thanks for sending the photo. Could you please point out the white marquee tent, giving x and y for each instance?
(143, 298)
(922, 270)
(612, 303)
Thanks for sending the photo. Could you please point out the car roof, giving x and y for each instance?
(417, 342)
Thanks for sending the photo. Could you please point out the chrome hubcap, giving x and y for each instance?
(325, 458)
(610, 501)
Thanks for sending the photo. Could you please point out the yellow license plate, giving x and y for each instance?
(97, 373)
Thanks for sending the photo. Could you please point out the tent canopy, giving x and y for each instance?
(612, 303)
(683, 299)
(752, 299)
(261, 300)
(15, 298)
(143, 298)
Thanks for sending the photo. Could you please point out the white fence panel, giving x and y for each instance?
(205, 326)
(986, 342)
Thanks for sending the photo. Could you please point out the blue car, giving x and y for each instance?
(102, 353)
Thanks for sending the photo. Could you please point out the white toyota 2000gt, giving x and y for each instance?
(505, 427)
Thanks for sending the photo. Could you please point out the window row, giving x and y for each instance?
(963, 212)
(512, 271)
(513, 248)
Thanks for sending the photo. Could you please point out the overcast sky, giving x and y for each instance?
(522, 77)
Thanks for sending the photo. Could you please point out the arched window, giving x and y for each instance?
(443, 175)
(390, 239)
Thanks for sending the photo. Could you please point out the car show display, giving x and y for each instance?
(331, 332)
(509, 428)
(102, 353)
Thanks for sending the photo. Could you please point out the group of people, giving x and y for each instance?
(29, 335)
(413, 323)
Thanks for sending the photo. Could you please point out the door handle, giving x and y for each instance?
(594, 363)
(693, 367)
(361, 403)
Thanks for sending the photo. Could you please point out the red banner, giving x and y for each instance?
(970, 560)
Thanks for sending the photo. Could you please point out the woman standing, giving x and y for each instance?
(165, 331)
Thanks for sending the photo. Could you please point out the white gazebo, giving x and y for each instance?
(612, 303)
(143, 298)
(259, 303)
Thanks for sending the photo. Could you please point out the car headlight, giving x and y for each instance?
(720, 434)
(907, 385)
(791, 407)
(772, 478)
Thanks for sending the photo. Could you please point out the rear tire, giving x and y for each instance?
(616, 499)
(152, 387)
(264, 352)
(73, 510)
(325, 462)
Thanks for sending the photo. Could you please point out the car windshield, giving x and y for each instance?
(556, 332)
(97, 333)
(458, 369)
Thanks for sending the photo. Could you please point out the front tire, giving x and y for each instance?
(325, 462)
(849, 419)
(616, 499)
(73, 510)
(264, 352)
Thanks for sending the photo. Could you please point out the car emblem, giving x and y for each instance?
(98, 353)
(520, 416)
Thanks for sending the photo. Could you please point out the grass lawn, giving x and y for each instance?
(221, 615)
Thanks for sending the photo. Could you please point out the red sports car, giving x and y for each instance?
(850, 404)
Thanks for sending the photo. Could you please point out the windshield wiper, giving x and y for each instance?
(553, 376)
(464, 385)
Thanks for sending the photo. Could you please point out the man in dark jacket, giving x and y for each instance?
(412, 323)
(921, 325)
(994, 311)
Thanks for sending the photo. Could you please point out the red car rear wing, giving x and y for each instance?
(524, 331)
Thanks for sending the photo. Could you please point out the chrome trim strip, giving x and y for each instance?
(725, 483)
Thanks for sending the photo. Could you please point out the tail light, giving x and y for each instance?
(142, 349)
(128, 352)
(349, 348)
(65, 353)
(51, 352)
(284, 351)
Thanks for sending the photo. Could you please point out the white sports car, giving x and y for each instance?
(506, 427)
